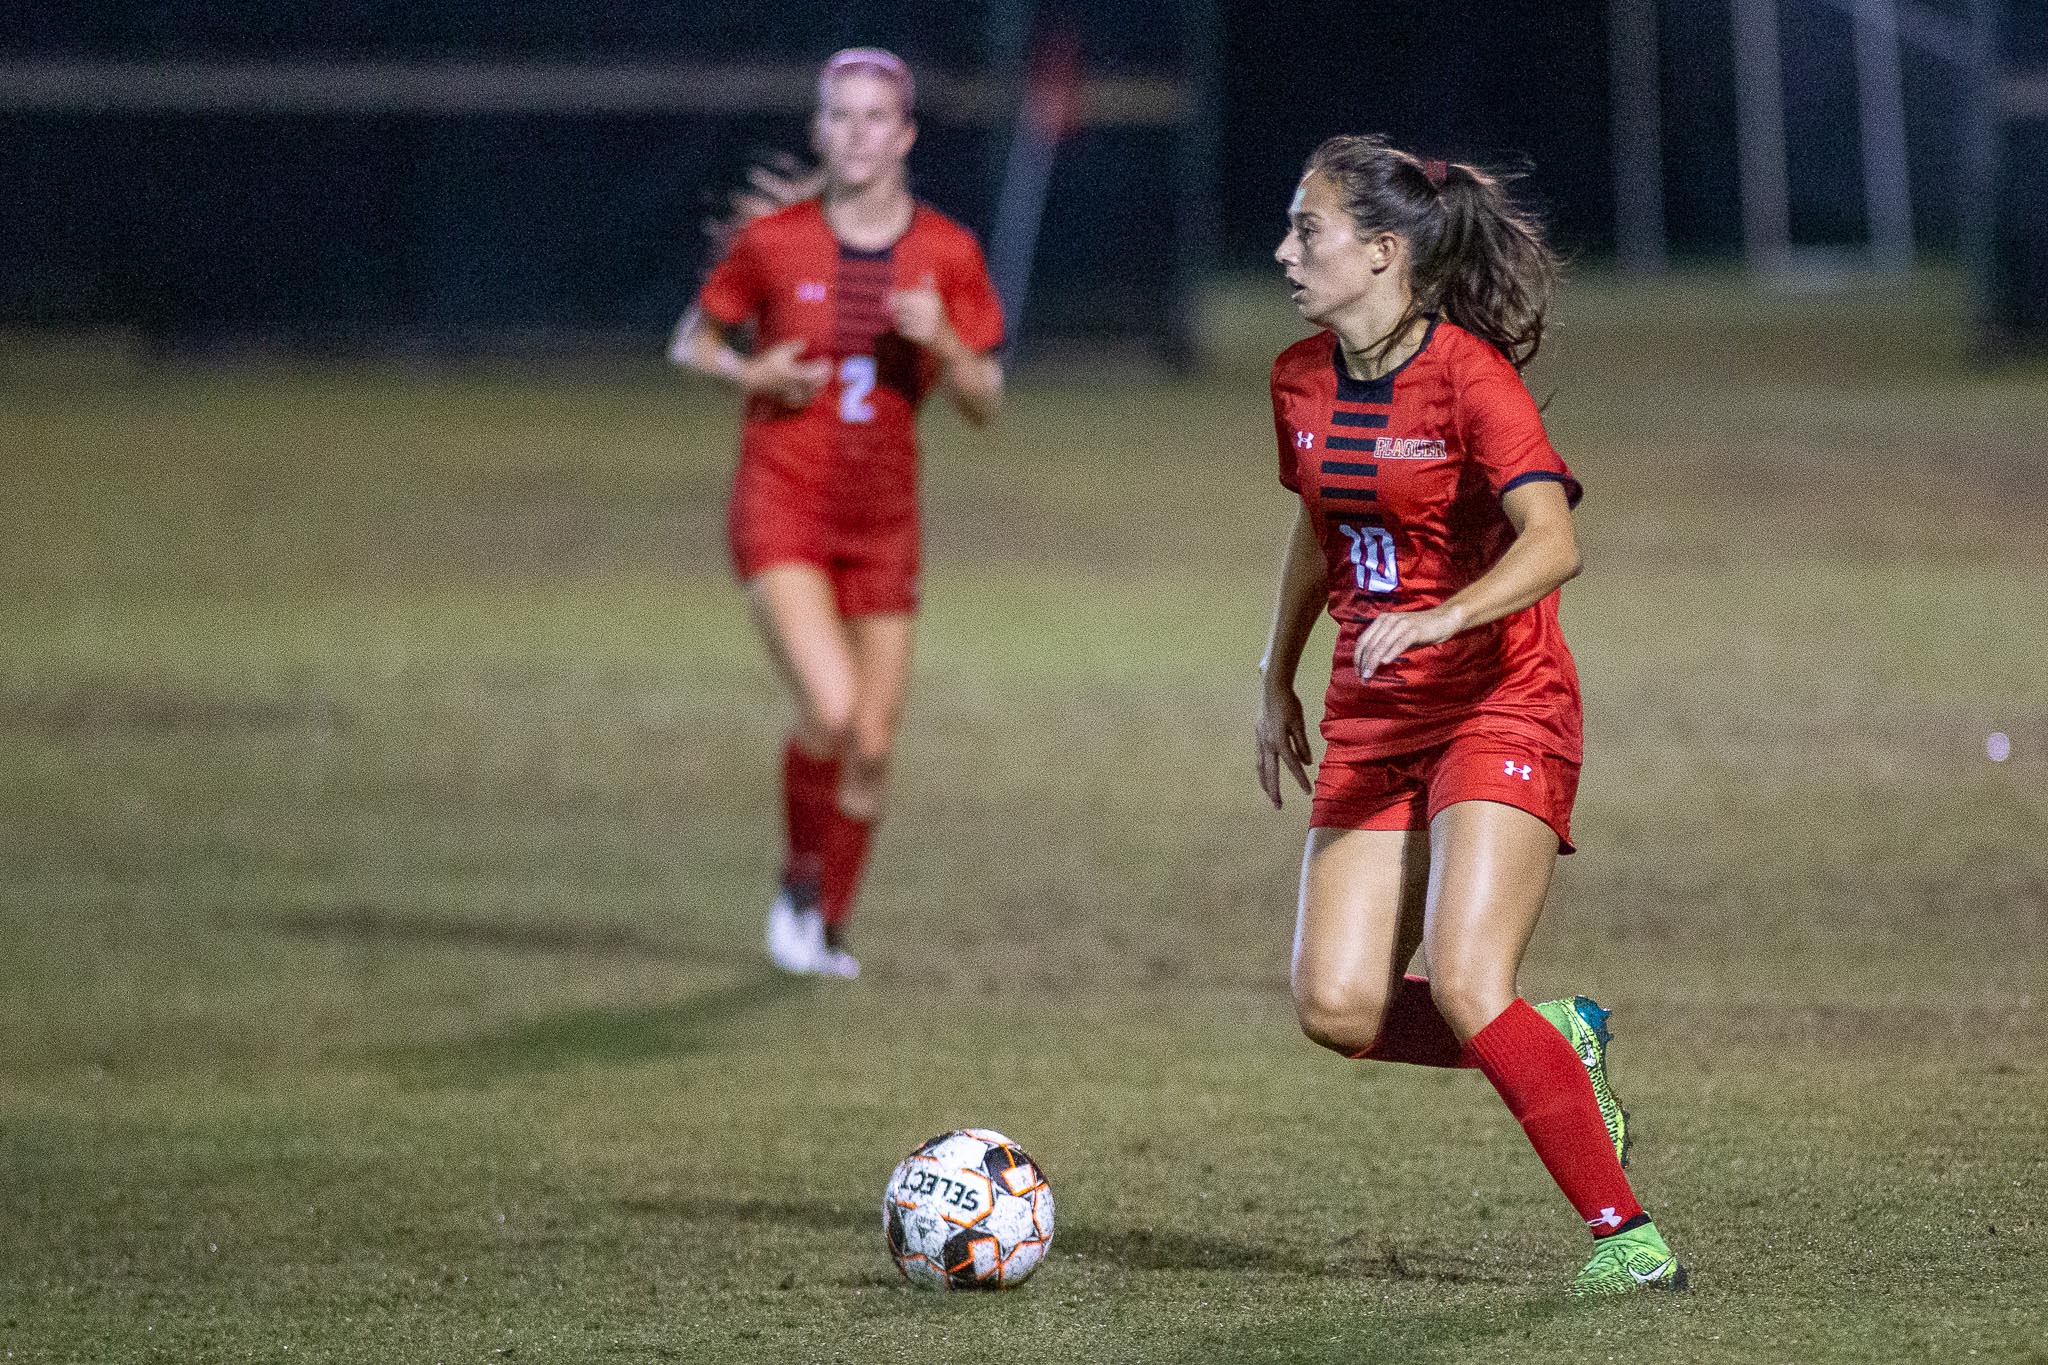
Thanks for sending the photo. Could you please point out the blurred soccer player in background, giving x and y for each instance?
(860, 300)
(1436, 527)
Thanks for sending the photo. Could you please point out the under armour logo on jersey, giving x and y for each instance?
(1608, 1219)
(1304, 440)
(810, 291)
(1515, 770)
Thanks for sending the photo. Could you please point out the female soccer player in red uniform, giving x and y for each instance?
(860, 300)
(1436, 526)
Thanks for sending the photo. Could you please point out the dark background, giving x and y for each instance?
(356, 226)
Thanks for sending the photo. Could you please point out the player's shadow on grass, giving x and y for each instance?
(595, 1037)
(1151, 1249)
(368, 924)
(748, 1221)
(1443, 1334)
(1481, 1327)
(811, 1215)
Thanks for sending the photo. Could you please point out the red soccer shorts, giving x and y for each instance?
(872, 569)
(1405, 791)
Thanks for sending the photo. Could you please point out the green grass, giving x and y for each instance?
(386, 815)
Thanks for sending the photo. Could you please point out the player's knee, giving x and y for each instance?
(1344, 1016)
(869, 744)
(864, 781)
(866, 768)
(826, 726)
(1468, 995)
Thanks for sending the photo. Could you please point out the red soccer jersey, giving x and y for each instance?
(855, 445)
(1402, 477)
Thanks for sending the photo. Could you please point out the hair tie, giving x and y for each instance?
(1437, 172)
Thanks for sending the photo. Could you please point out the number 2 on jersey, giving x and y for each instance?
(1372, 552)
(856, 386)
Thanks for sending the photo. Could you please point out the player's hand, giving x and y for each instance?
(1393, 633)
(782, 375)
(1281, 737)
(919, 315)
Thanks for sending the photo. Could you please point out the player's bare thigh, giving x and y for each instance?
(812, 649)
(1358, 921)
(1490, 867)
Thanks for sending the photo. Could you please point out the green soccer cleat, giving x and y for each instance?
(1628, 1261)
(1584, 1025)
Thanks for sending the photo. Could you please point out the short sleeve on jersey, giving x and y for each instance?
(735, 288)
(1504, 433)
(1283, 437)
(971, 303)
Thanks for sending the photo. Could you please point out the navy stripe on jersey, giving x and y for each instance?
(861, 298)
(1347, 467)
(1351, 390)
(1353, 494)
(1572, 491)
(1379, 390)
(1354, 516)
(1358, 419)
(1351, 443)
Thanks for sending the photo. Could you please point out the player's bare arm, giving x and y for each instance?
(1280, 733)
(974, 380)
(780, 371)
(1543, 557)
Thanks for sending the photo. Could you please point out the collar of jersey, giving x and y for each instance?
(1379, 390)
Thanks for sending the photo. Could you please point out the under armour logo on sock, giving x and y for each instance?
(1608, 1219)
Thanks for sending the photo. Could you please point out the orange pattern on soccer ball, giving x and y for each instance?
(983, 1198)
(988, 1206)
(1035, 1246)
(1032, 1179)
(978, 1249)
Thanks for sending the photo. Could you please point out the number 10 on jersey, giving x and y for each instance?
(1372, 556)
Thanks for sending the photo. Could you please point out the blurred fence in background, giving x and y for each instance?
(454, 176)
(457, 175)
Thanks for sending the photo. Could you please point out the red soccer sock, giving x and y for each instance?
(1546, 1089)
(810, 802)
(1414, 1031)
(845, 856)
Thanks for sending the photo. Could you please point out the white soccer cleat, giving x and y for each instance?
(796, 938)
(840, 963)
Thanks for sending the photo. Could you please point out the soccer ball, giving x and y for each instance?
(968, 1210)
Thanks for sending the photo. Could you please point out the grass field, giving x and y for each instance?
(386, 817)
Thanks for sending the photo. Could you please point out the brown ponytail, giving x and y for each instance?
(1474, 257)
